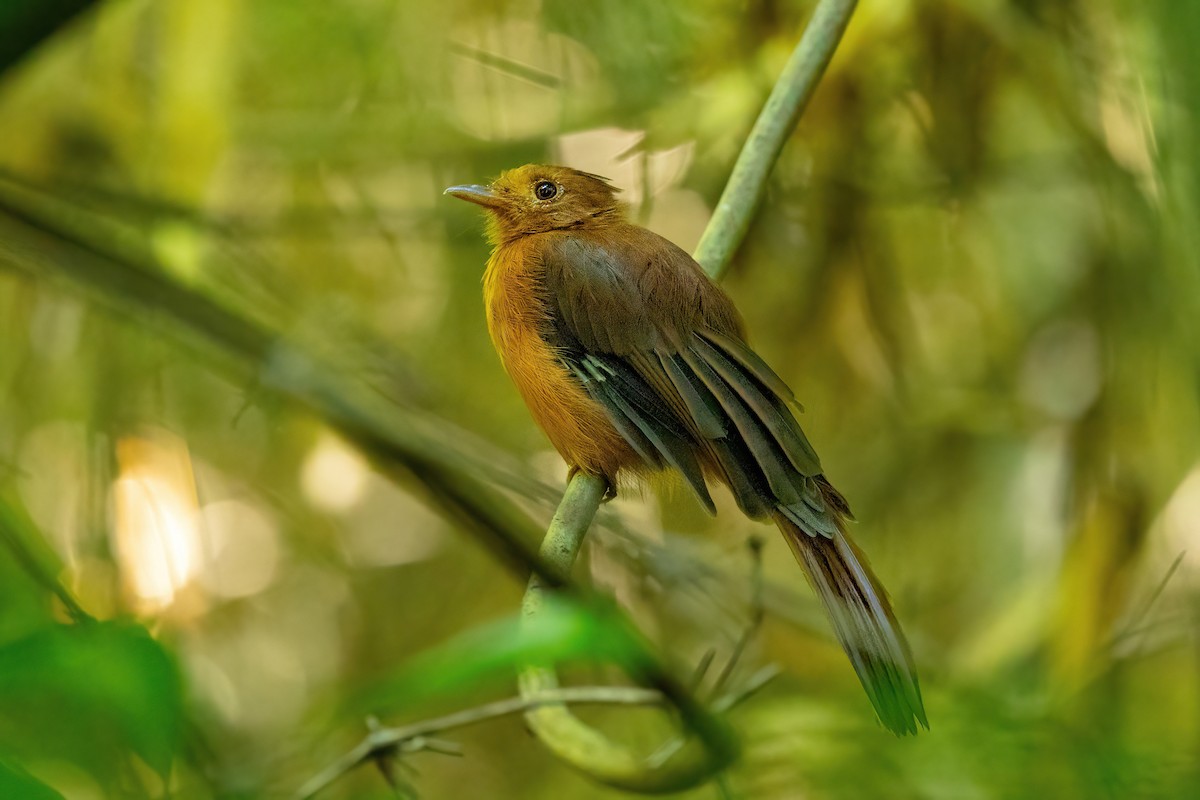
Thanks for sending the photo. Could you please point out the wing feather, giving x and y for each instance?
(751, 362)
(768, 410)
(704, 409)
(767, 455)
(628, 428)
(643, 420)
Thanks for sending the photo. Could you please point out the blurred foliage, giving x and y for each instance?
(977, 265)
(25, 23)
(562, 632)
(112, 684)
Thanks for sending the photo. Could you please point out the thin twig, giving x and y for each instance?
(755, 545)
(17, 535)
(750, 688)
(515, 69)
(702, 667)
(1134, 625)
(385, 741)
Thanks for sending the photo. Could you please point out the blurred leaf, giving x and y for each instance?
(643, 58)
(562, 631)
(16, 782)
(25, 23)
(33, 555)
(88, 693)
(23, 604)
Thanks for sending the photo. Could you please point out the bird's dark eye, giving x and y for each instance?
(545, 190)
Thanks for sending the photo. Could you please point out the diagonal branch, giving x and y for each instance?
(51, 239)
(748, 183)
(30, 552)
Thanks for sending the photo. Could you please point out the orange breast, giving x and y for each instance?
(576, 425)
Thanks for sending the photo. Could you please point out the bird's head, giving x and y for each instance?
(537, 198)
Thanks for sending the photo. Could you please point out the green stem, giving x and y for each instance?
(748, 182)
(693, 760)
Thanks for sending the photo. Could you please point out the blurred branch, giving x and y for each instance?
(387, 742)
(691, 761)
(24, 24)
(757, 612)
(49, 239)
(246, 224)
(508, 66)
(564, 734)
(748, 183)
(30, 552)
(1137, 621)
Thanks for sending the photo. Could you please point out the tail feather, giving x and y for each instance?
(864, 623)
(726, 416)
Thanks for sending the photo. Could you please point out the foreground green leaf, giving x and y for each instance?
(16, 782)
(90, 694)
(563, 631)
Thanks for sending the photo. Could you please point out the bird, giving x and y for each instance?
(633, 361)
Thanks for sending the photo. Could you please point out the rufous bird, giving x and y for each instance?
(632, 360)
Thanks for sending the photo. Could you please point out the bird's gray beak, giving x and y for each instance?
(474, 193)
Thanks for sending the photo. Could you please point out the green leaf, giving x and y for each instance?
(563, 630)
(89, 694)
(16, 782)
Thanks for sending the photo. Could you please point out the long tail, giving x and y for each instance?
(715, 408)
(863, 621)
